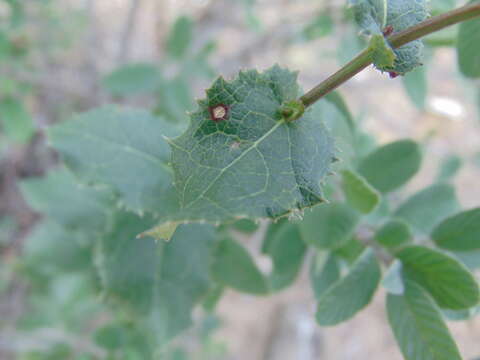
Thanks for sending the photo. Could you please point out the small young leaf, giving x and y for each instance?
(374, 16)
(59, 197)
(447, 280)
(467, 48)
(234, 267)
(393, 234)
(460, 232)
(428, 207)
(350, 294)
(329, 226)
(249, 162)
(391, 165)
(16, 123)
(285, 246)
(350, 251)
(359, 193)
(124, 149)
(132, 79)
(324, 272)
(418, 326)
(321, 26)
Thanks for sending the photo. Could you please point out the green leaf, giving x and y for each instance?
(16, 123)
(393, 234)
(350, 294)
(447, 280)
(392, 165)
(460, 232)
(320, 26)
(59, 197)
(324, 272)
(252, 163)
(415, 84)
(234, 267)
(246, 226)
(110, 337)
(124, 149)
(428, 207)
(286, 248)
(467, 54)
(180, 37)
(359, 193)
(350, 251)
(373, 16)
(159, 283)
(132, 79)
(393, 279)
(51, 248)
(329, 226)
(449, 167)
(418, 326)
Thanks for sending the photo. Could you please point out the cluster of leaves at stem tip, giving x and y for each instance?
(240, 160)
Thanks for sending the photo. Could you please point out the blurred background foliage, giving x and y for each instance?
(63, 57)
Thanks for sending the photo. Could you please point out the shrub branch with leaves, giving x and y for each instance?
(256, 148)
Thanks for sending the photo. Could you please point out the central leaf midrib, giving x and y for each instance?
(247, 150)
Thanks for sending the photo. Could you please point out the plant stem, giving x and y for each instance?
(364, 59)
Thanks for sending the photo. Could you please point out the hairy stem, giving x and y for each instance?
(364, 59)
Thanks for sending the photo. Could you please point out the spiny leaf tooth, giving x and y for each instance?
(335, 159)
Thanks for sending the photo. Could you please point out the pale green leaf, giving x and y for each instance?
(428, 207)
(324, 272)
(359, 193)
(59, 197)
(329, 226)
(15, 121)
(180, 37)
(449, 167)
(160, 283)
(467, 48)
(252, 163)
(234, 267)
(393, 234)
(447, 280)
(393, 279)
(123, 149)
(392, 165)
(132, 79)
(415, 84)
(286, 248)
(350, 251)
(418, 326)
(350, 294)
(460, 232)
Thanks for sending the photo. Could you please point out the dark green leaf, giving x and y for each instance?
(393, 234)
(428, 207)
(467, 44)
(234, 267)
(324, 272)
(132, 79)
(349, 295)
(59, 197)
(180, 37)
(418, 326)
(245, 226)
(124, 149)
(447, 280)
(391, 165)
(286, 248)
(460, 232)
(329, 226)
(359, 193)
(251, 164)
